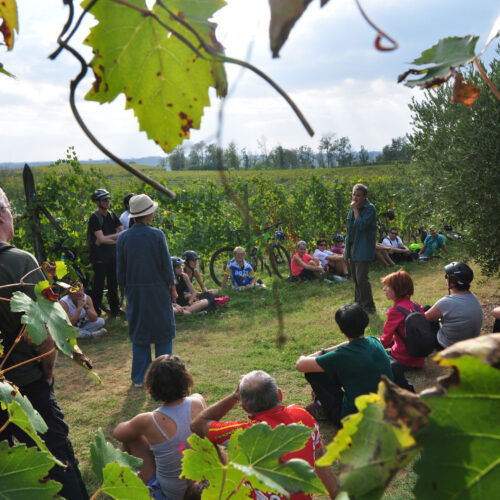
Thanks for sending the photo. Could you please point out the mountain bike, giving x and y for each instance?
(265, 253)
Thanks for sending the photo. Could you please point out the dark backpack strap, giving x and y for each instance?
(418, 308)
(398, 333)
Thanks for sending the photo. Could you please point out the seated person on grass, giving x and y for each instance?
(433, 243)
(343, 372)
(341, 265)
(398, 287)
(240, 272)
(191, 269)
(496, 316)
(331, 262)
(187, 297)
(457, 316)
(81, 313)
(400, 252)
(158, 436)
(261, 399)
(303, 266)
(382, 252)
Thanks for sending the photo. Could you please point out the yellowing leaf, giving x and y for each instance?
(163, 80)
(8, 14)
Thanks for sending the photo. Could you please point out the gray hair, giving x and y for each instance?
(3, 198)
(258, 392)
(300, 243)
(361, 187)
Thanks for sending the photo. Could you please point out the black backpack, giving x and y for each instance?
(420, 339)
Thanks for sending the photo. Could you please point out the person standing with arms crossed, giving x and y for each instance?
(360, 245)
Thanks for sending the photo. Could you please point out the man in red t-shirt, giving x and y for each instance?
(261, 399)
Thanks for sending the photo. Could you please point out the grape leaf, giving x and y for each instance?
(259, 452)
(103, 453)
(8, 12)
(463, 92)
(44, 314)
(460, 445)
(164, 81)
(254, 456)
(22, 414)
(201, 461)
(377, 441)
(284, 14)
(21, 473)
(123, 484)
(445, 56)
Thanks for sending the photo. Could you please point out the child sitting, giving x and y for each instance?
(240, 272)
(191, 269)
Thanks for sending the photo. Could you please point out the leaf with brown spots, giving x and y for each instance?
(8, 15)
(284, 14)
(464, 92)
(163, 80)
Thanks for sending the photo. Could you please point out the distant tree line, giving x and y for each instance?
(332, 152)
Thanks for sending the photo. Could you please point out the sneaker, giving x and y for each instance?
(339, 278)
(100, 333)
(330, 282)
(221, 301)
(317, 411)
(139, 386)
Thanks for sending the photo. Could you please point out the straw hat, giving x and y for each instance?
(141, 204)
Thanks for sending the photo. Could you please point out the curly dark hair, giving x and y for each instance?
(167, 379)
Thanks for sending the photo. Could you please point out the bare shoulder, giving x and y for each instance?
(198, 404)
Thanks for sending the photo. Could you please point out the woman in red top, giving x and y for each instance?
(303, 266)
(398, 287)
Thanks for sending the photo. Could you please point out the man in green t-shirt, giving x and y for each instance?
(341, 373)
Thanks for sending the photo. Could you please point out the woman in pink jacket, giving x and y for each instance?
(398, 287)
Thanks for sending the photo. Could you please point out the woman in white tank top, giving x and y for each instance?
(157, 437)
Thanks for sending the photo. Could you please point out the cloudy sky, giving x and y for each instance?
(328, 66)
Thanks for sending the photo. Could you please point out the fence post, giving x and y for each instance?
(29, 192)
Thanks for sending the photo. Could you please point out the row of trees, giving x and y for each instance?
(332, 152)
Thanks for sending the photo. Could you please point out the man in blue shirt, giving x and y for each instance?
(360, 245)
(433, 241)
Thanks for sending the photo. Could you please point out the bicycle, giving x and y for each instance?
(276, 260)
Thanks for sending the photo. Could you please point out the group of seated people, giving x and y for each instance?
(337, 374)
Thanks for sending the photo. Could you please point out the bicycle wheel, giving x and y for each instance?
(280, 261)
(218, 263)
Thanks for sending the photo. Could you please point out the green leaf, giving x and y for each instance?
(8, 12)
(254, 456)
(103, 453)
(163, 80)
(460, 446)
(201, 461)
(21, 472)
(446, 55)
(377, 441)
(123, 484)
(61, 269)
(44, 314)
(260, 450)
(5, 72)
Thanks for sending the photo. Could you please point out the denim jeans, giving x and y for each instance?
(141, 358)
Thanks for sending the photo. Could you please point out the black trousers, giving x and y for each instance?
(328, 390)
(105, 270)
(42, 397)
(398, 372)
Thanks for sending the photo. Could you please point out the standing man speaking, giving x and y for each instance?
(360, 245)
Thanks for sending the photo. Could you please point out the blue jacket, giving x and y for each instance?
(145, 269)
(361, 234)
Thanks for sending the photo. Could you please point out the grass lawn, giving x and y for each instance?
(217, 348)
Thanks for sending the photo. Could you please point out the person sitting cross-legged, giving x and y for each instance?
(158, 436)
(261, 399)
(303, 266)
(398, 287)
(81, 313)
(330, 261)
(432, 244)
(240, 272)
(342, 372)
